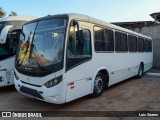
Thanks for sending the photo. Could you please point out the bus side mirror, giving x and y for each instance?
(4, 32)
(75, 25)
(79, 33)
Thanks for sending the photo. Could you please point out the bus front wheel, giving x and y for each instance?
(99, 85)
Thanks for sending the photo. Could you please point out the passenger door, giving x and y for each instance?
(78, 63)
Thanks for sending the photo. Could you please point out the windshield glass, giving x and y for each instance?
(41, 44)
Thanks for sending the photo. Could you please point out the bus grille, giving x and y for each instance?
(31, 92)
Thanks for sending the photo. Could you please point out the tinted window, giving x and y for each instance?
(132, 42)
(121, 41)
(147, 49)
(81, 47)
(150, 46)
(140, 45)
(104, 40)
(109, 40)
(99, 39)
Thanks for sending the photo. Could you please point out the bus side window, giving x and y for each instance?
(150, 46)
(146, 45)
(80, 43)
(83, 45)
(79, 47)
(71, 44)
(87, 43)
(121, 42)
(140, 44)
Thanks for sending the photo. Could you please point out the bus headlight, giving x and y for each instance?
(16, 76)
(53, 82)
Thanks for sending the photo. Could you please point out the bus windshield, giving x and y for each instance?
(41, 44)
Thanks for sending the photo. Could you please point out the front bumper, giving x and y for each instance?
(54, 94)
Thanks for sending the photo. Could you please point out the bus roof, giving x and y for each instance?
(100, 22)
(18, 18)
(89, 19)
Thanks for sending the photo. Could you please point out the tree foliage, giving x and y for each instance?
(2, 12)
(13, 13)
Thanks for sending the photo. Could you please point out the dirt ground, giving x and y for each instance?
(130, 95)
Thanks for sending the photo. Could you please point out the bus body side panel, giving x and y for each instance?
(7, 72)
(79, 80)
(122, 65)
(130, 72)
(133, 61)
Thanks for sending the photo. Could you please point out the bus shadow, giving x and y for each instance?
(121, 83)
(7, 89)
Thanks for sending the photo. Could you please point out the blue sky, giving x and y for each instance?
(107, 10)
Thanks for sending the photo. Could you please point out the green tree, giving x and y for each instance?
(2, 12)
(13, 13)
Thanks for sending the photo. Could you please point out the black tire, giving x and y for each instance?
(99, 85)
(140, 71)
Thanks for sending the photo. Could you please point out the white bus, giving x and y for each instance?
(10, 28)
(64, 57)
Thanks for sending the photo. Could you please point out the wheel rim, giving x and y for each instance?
(98, 84)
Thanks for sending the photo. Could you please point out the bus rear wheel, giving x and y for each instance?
(140, 71)
(99, 85)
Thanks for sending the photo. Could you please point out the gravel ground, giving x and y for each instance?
(130, 95)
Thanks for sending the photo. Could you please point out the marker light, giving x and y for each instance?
(53, 82)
